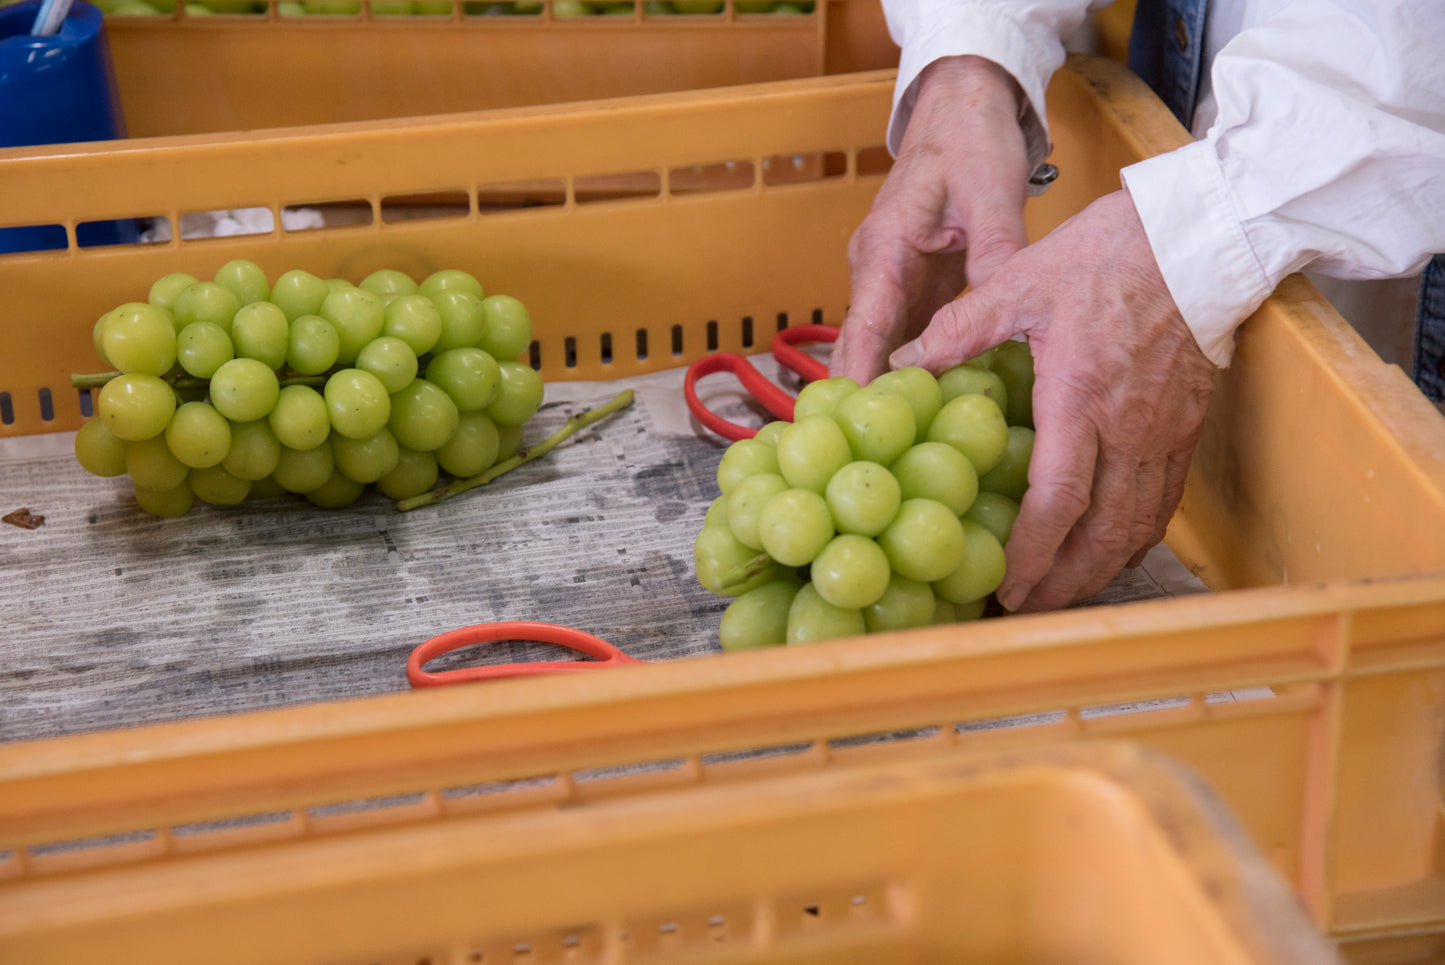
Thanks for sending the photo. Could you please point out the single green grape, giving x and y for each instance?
(255, 451)
(389, 359)
(463, 318)
(794, 526)
(472, 448)
(811, 450)
(203, 347)
(298, 292)
(267, 488)
(945, 611)
(509, 441)
(218, 487)
(851, 571)
(519, 394)
(971, 379)
(173, 502)
(98, 450)
(772, 432)
(919, 389)
(198, 435)
(205, 301)
(878, 424)
(366, 460)
(245, 279)
(153, 466)
(1014, 362)
(469, 375)
(925, 541)
(1010, 475)
(299, 419)
(337, 492)
(388, 281)
(508, 329)
(904, 605)
(244, 390)
(717, 512)
(812, 619)
(746, 502)
(135, 407)
(302, 470)
(357, 315)
(414, 320)
(450, 279)
(975, 426)
(979, 573)
(996, 513)
(165, 289)
(936, 470)
(357, 403)
(863, 498)
(718, 556)
(822, 397)
(97, 338)
(744, 458)
(423, 417)
(138, 337)
(759, 617)
(260, 331)
(312, 345)
(415, 473)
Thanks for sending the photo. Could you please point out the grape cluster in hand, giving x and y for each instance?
(241, 386)
(879, 507)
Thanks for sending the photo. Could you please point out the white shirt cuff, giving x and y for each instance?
(1197, 238)
(992, 36)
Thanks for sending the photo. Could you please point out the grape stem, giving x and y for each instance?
(573, 425)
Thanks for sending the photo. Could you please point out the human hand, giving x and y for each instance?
(950, 211)
(1120, 394)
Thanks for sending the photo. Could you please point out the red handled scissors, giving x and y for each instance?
(607, 655)
(774, 399)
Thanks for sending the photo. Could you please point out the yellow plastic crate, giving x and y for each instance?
(186, 75)
(1314, 508)
(1079, 855)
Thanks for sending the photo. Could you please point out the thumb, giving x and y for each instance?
(965, 327)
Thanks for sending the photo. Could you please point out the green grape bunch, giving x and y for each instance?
(242, 386)
(878, 508)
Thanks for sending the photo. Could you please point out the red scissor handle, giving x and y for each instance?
(778, 402)
(607, 655)
(786, 351)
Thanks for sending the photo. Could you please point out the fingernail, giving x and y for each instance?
(1012, 597)
(906, 355)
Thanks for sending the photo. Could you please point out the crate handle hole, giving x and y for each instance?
(7, 409)
(47, 406)
(641, 344)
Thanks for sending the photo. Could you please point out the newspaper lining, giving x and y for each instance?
(115, 618)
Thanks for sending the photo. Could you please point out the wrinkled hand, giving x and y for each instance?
(950, 211)
(1120, 394)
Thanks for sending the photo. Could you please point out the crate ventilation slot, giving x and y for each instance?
(778, 172)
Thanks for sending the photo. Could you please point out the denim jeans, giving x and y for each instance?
(1430, 332)
(1166, 48)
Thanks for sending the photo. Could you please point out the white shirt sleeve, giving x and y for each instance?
(1327, 154)
(1024, 37)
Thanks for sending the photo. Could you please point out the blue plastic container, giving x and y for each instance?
(55, 90)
